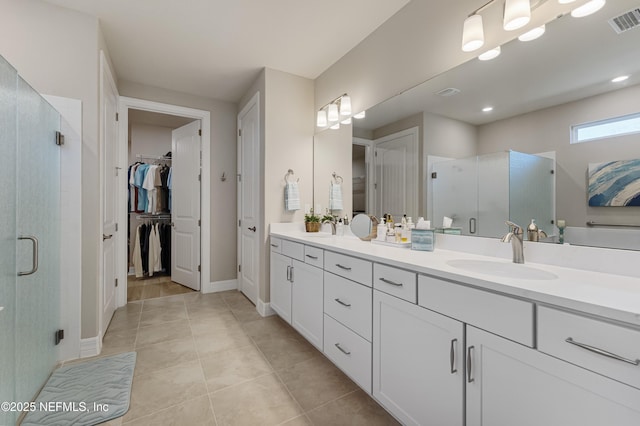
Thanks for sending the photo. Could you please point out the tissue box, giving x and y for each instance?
(423, 239)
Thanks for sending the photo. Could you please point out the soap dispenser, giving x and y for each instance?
(533, 233)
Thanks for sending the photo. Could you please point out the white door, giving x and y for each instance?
(109, 143)
(185, 205)
(248, 200)
(396, 174)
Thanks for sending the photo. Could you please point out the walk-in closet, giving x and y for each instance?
(154, 220)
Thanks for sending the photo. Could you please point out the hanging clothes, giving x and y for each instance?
(137, 255)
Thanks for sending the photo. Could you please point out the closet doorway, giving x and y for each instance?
(164, 194)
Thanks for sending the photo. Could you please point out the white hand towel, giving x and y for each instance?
(335, 197)
(292, 196)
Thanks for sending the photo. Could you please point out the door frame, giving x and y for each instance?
(125, 104)
(253, 102)
(370, 169)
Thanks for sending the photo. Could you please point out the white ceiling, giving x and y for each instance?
(216, 48)
(574, 59)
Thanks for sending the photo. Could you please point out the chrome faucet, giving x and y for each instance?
(515, 237)
(333, 222)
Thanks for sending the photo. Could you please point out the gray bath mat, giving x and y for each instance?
(86, 393)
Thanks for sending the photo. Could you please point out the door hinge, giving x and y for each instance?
(199, 132)
(116, 282)
(198, 268)
(117, 117)
(199, 177)
(116, 227)
(239, 223)
(59, 139)
(59, 335)
(240, 132)
(239, 268)
(239, 177)
(375, 153)
(199, 222)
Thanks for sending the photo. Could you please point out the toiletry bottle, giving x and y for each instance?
(391, 232)
(382, 231)
(410, 226)
(532, 231)
(398, 233)
(340, 228)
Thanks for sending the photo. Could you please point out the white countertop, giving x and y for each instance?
(606, 295)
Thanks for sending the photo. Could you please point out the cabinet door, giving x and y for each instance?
(281, 286)
(307, 302)
(510, 384)
(417, 363)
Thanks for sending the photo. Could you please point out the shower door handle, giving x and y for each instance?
(34, 266)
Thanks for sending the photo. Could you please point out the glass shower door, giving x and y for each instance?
(8, 80)
(455, 194)
(37, 315)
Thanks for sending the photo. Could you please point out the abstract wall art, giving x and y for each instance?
(614, 183)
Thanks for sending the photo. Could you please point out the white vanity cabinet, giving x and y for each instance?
(297, 287)
(510, 384)
(418, 367)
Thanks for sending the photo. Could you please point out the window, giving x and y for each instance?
(617, 126)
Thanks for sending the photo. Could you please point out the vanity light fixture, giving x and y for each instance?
(533, 34)
(490, 54)
(472, 33)
(322, 119)
(517, 14)
(360, 115)
(588, 8)
(487, 109)
(346, 121)
(335, 126)
(565, 1)
(620, 79)
(330, 113)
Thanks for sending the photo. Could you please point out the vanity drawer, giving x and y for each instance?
(348, 351)
(396, 282)
(314, 256)
(349, 267)
(501, 315)
(348, 302)
(603, 341)
(276, 245)
(294, 250)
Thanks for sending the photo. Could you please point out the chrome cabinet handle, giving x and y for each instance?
(346, 268)
(289, 273)
(452, 356)
(106, 237)
(470, 379)
(312, 257)
(384, 280)
(348, 305)
(602, 352)
(34, 265)
(274, 245)
(472, 225)
(342, 350)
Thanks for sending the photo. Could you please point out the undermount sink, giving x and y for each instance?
(502, 269)
(318, 234)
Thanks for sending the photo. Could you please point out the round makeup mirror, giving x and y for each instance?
(364, 227)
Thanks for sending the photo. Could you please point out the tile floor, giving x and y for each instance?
(156, 286)
(213, 360)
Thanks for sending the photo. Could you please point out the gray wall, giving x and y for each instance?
(549, 130)
(223, 159)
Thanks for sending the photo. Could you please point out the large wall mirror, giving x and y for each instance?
(537, 91)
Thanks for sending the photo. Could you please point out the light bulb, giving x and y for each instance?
(517, 14)
(490, 54)
(335, 126)
(360, 115)
(588, 8)
(322, 118)
(620, 79)
(333, 113)
(472, 33)
(533, 34)
(345, 105)
(565, 1)
(346, 121)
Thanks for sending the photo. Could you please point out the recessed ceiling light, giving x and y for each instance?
(490, 54)
(533, 34)
(619, 79)
(487, 109)
(588, 8)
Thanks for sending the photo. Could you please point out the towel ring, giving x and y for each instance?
(289, 173)
(337, 178)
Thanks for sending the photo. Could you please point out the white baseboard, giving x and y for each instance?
(217, 286)
(90, 347)
(265, 309)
